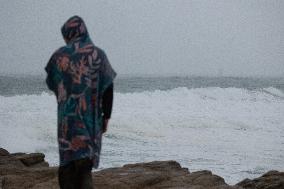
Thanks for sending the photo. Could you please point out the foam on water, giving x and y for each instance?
(274, 91)
(234, 132)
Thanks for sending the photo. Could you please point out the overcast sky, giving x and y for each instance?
(146, 37)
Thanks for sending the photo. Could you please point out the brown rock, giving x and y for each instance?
(10, 161)
(270, 180)
(3, 152)
(31, 159)
(26, 171)
(27, 177)
(157, 174)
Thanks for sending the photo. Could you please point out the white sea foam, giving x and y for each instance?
(234, 132)
(274, 91)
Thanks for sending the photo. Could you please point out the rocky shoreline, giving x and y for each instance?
(21, 170)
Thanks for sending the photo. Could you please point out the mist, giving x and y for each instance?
(141, 37)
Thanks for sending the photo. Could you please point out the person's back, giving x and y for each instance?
(79, 74)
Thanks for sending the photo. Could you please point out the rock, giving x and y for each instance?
(33, 159)
(9, 161)
(3, 152)
(156, 174)
(270, 180)
(14, 172)
(22, 170)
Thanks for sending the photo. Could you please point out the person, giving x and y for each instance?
(81, 78)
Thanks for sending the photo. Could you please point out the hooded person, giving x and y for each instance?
(81, 77)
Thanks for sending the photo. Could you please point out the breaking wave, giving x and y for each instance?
(182, 124)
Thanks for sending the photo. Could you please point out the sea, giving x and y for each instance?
(233, 126)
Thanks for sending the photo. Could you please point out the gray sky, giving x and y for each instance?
(145, 37)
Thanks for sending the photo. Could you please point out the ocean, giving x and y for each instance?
(231, 126)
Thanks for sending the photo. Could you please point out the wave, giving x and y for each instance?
(274, 91)
(28, 122)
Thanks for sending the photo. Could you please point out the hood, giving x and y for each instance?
(73, 29)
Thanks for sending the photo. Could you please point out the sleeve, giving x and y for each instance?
(107, 73)
(107, 102)
(53, 77)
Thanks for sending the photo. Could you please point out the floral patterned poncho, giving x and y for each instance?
(78, 74)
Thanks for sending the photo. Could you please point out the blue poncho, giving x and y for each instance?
(78, 74)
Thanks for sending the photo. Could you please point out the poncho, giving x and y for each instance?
(78, 74)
